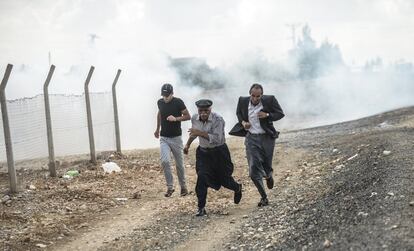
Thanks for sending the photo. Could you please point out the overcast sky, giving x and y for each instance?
(216, 30)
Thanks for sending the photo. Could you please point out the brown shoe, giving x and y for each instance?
(169, 192)
(183, 192)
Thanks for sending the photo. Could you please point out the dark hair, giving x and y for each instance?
(256, 86)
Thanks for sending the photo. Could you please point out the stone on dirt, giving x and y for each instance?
(327, 244)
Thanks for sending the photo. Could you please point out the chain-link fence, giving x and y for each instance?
(69, 124)
(44, 126)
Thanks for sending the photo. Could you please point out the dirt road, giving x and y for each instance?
(344, 186)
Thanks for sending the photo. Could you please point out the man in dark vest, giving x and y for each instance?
(213, 162)
(256, 115)
(171, 111)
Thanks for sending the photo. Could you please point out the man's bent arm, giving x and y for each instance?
(158, 120)
(238, 110)
(190, 140)
(276, 112)
(184, 117)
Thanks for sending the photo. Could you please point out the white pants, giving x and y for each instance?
(172, 145)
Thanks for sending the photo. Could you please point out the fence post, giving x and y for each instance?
(89, 115)
(115, 104)
(6, 128)
(52, 164)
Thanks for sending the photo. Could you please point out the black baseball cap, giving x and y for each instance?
(166, 89)
(204, 103)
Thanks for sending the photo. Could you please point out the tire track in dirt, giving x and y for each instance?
(122, 221)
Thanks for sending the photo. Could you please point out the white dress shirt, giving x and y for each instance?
(254, 121)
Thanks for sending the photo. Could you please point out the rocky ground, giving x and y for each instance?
(347, 186)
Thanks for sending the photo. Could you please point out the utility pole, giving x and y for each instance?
(293, 27)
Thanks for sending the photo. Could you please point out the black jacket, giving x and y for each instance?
(270, 105)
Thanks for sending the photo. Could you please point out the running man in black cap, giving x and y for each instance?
(213, 162)
(171, 111)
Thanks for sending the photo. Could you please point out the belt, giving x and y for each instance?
(256, 134)
(210, 149)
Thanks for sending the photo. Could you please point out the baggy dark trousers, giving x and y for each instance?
(259, 151)
(214, 169)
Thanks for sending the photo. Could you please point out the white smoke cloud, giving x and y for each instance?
(139, 36)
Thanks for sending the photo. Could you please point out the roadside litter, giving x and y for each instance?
(110, 167)
(121, 199)
(70, 174)
(386, 152)
(353, 157)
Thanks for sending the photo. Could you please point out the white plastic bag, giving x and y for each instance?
(110, 167)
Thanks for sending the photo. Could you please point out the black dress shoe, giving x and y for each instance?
(201, 212)
(270, 182)
(169, 192)
(238, 195)
(263, 202)
(183, 192)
